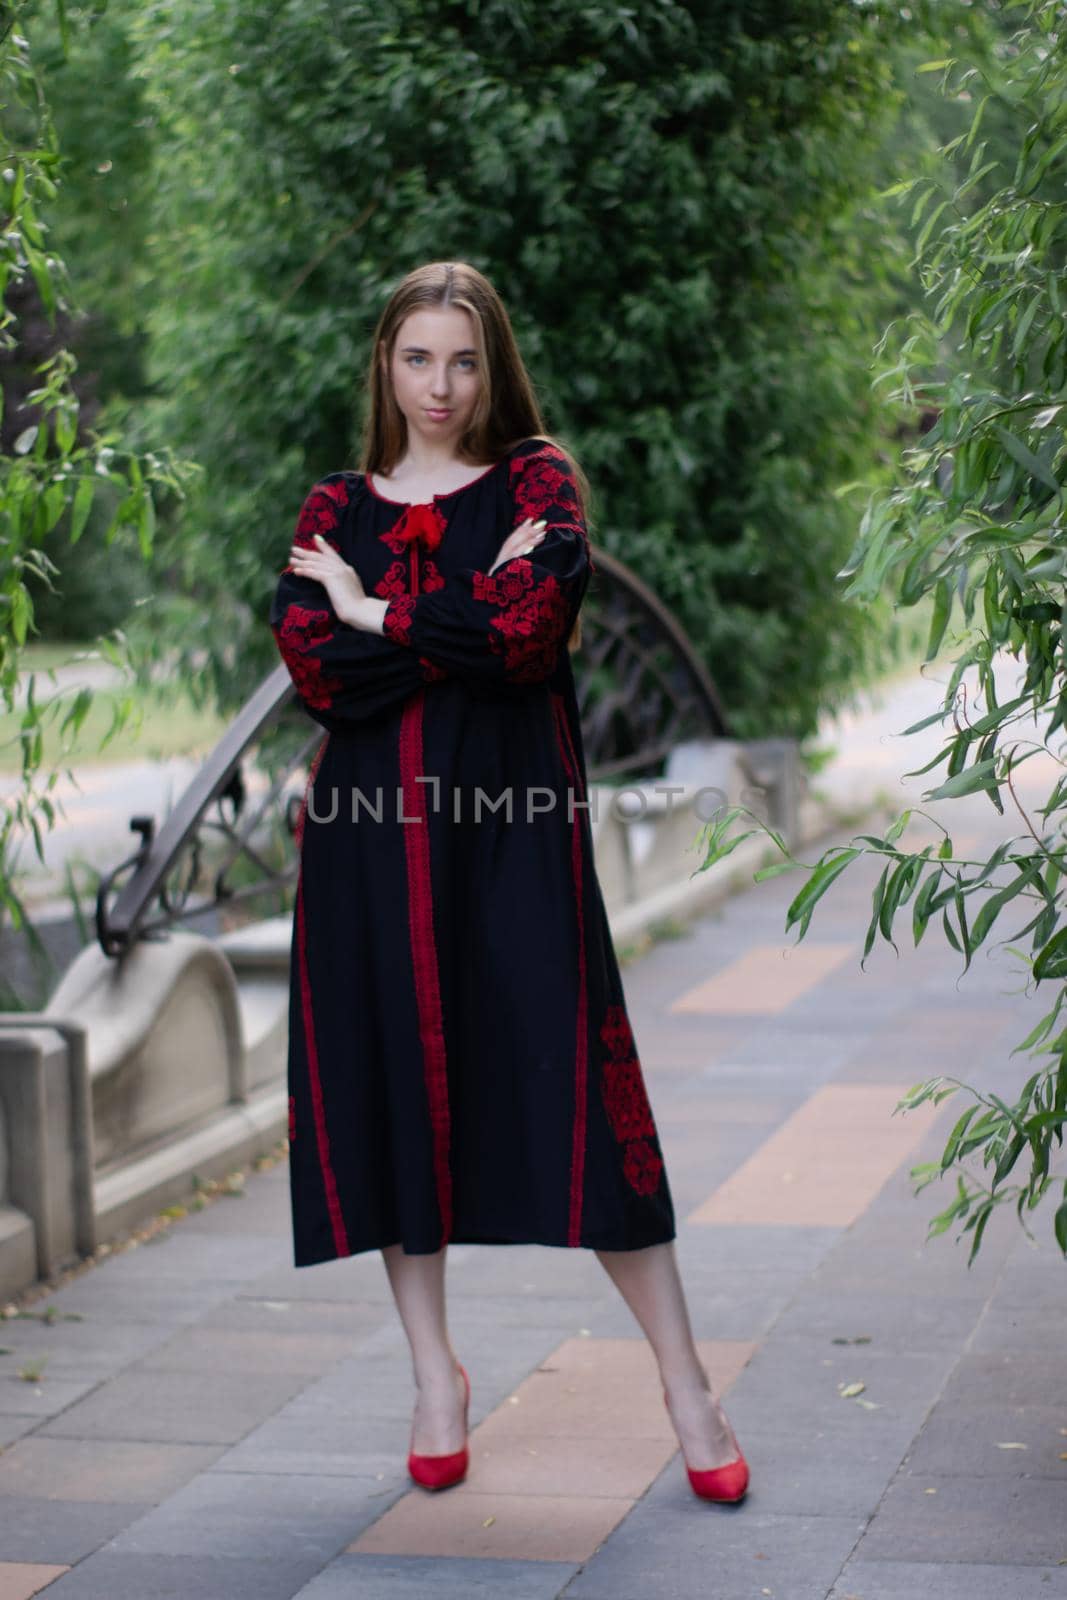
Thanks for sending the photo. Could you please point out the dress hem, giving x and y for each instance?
(472, 1238)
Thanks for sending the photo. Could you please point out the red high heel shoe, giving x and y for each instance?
(440, 1472)
(725, 1483)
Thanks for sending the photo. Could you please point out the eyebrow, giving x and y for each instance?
(418, 350)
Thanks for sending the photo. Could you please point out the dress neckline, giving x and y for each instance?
(446, 495)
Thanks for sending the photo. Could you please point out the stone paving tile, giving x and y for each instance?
(170, 1302)
(902, 1265)
(1001, 1377)
(111, 1576)
(369, 1577)
(176, 1407)
(526, 1527)
(77, 1469)
(796, 1249)
(677, 1546)
(966, 1440)
(297, 1519)
(48, 1398)
(91, 1346)
(59, 1532)
(1008, 1326)
(262, 1314)
(360, 1279)
(178, 1255)
(525, 1272)
(21, 1580)
(558, 1462)
(222, 1350)
(907, 1580)
(891, 1317)
(12, 1428)
(1009, 1521)
(811, 1470)
(824, 1164)
(323, 1441)
(801, 1381)
(765, 979)
(232, 1215)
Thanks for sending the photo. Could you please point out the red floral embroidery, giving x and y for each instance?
(626, 1101)
(537, 482)
(542, 485)
(431, 671)
(642, 1166)
(393, 581)
(501, 588)
(300, 631)
(396, 619)
(617, 1033)
(529, 633)
(319, 514)
(430, 577)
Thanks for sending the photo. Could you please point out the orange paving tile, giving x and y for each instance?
(21, 1579)
(826, 1162)
(558, 1464)
(766, 979)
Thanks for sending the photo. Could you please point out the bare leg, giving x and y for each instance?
(648, 1281)
(418, 1285)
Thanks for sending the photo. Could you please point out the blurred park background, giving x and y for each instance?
(788, 276)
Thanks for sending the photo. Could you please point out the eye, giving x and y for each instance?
(468, 361)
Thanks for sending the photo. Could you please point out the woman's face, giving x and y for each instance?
(435, 373)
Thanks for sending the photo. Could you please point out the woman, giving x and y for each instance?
(461, 1064)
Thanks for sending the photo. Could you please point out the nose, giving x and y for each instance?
(439, 387)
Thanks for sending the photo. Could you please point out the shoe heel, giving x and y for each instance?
(441, 1472)
(726, 1484)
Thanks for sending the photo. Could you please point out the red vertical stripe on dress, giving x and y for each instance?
(581, 1044)
(424, 952)
(333, 1204)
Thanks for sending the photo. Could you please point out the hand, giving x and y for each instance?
(520, 541)
(341, 581)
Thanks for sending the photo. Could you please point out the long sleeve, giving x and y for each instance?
(342, 675)
(509, 626)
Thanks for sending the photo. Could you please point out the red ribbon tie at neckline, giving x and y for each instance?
(420, 524)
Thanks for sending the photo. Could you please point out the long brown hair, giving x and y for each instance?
(506, 411)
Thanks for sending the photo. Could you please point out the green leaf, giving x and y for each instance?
(1051, 962)
(83, 500)
(804, 904)
(1026, 458)
(938, 624)
(972, 779)
(1059, 1223)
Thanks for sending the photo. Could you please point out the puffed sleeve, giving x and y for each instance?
(510, 625)
(342, 675)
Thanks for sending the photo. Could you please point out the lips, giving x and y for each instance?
(438, 412)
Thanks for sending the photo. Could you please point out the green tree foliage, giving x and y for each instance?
(54, 471)
(672, 200)
(977, 525)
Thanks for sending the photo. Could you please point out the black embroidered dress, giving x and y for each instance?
(461, 1064)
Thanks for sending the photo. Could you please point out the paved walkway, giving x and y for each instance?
(212, 1424)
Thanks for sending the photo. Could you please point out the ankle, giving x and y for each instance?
(436, 1372)
(684, 1378)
